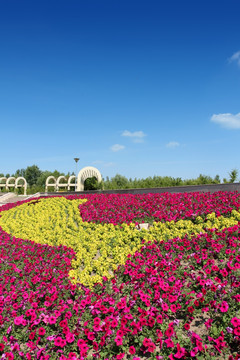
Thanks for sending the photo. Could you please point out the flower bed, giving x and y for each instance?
(172, 299)
(127, 208)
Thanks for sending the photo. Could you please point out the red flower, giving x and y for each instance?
(41, 331)
(224, 306)
(32, 335)
(190, 309)
(132, 350)
(236, 331)
(169, 332)
(120, 356)
(151, 347)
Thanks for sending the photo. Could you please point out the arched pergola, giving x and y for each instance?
(61, 184)
(14, 183)
(11, 182)
(85, 173)
(19, 185)
(70, 183)
(57, 183)
(51, 184)
(3, 182)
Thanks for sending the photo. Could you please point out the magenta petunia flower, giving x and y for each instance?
(170, 343)
(224, 306)
(118, 340)
(235, 321)
(52, 320)
(70, 337)
(120, 356)
(194, 351)
(132, 350)
(173, 308)
(57, 341)
(18, 320)
(41, 331)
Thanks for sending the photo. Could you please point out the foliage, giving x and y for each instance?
(92, 184)
(20, 172)
(233, 175)
(32, 173)
(121, 182)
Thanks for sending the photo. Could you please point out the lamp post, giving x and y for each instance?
(76, 161)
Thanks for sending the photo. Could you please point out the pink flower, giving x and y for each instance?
(41, 331)
(72, 356)
(132, 350)
(120, 356)
(173, 308)
(235, 321)
(224, 306)
(91, 335)
(18, 320)
(194, 351)
(164, 306)
(57, 341)
(9, 356)
(169, 332)
(52, 320)
(169, 343)
(236, 331)
(151, 347)
(118, 340)
(70, 337)
(180, 352)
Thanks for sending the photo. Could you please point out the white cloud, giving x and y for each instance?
(235, 57)
(227, 120)
(97, 162)
(172, 144)
(137, 136)
(109, 164)
(105, 164)
(117, 147)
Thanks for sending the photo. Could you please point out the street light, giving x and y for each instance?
(76, 161)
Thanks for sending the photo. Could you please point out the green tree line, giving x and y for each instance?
(36, 180)
(121, 182)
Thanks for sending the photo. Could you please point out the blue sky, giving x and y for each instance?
(140, 88)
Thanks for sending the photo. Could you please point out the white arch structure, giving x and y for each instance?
(85, 173)
(57, 183)
(49, 184)
(3, 181)
(70, 183)
(13, 182)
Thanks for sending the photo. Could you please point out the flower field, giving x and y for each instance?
(78, 280)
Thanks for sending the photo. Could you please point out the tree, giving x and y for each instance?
(20, 173)
(41, 181)
(91, 183)
(233, 175)
(120, 181)
(32, 174)
(217, 179)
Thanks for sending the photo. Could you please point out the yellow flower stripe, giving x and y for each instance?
(99, 248)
